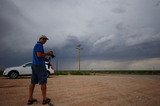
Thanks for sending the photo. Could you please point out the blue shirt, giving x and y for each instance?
(38, 60)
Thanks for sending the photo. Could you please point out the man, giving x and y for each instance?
(39, 72)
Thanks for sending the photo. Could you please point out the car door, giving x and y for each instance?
(27, 69)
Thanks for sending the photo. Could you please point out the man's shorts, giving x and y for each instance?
(39, 74)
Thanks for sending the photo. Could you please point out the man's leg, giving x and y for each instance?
(43, 83)
(31, 90)
(44, 90)
(34, 80)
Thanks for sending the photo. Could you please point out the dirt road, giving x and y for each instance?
(98, 90)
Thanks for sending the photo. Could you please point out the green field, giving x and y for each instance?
(99, 72)
(86, 72)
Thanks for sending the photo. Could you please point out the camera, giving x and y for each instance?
(48, 58)
(52, 54)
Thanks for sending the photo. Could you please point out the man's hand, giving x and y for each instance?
(50, 53)
(41, 54)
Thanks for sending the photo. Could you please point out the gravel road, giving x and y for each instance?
(90, 90)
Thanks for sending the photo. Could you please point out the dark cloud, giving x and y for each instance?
(13, 29)
(121, 52)
(158, 3)
(106, 29)
(119, 10)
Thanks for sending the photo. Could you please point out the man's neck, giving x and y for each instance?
(40, 42)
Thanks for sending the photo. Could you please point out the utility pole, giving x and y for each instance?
(56, 63)
(78, 47)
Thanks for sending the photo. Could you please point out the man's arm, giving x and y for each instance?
(41, 54)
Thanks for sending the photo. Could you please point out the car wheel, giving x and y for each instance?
(48, 73)
(13, 74)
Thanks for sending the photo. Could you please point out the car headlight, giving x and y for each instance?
(4, 72)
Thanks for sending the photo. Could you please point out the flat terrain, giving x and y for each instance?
(98, 90)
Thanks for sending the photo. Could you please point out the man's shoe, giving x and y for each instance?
(30, 102)
(46, 101)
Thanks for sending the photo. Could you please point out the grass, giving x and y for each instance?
(99, 72)
(80, 73)
(61, 73)
(72, 73)
(85, 72)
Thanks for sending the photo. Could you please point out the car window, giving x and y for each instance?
(28, 65)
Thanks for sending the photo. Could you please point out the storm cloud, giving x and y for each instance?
(111, 32)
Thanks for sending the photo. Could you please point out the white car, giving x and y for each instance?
(23, 70)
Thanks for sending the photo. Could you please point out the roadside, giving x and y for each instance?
(90, 90)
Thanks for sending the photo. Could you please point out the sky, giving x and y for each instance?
(114, 34)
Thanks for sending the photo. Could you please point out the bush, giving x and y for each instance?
(61, 73)
(86, 73)
(132, 72)
(80, 73)
(76, 73)
(1, 73)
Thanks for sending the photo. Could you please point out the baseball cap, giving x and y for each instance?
(43, 37)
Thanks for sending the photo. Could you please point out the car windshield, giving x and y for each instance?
(28, 65)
